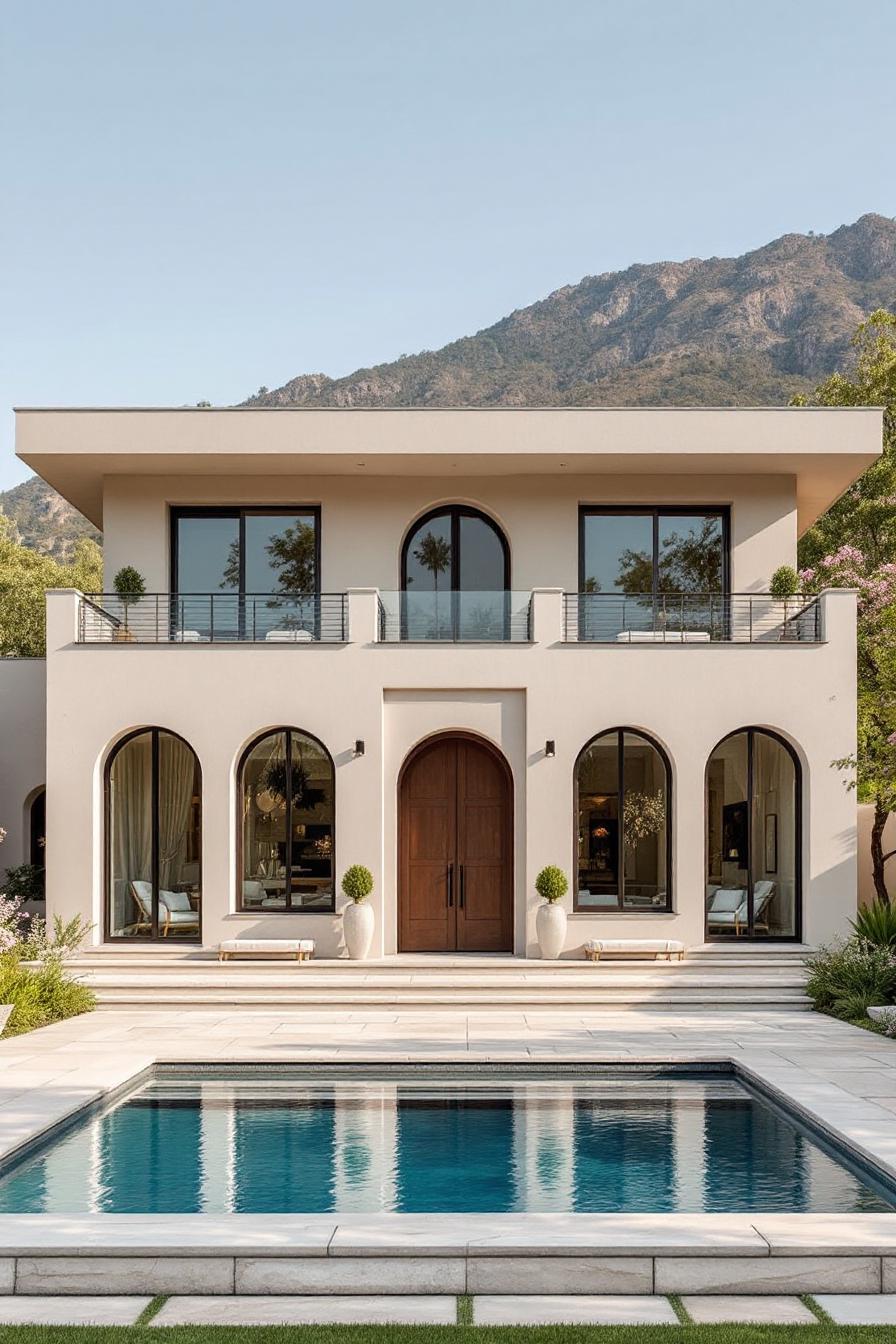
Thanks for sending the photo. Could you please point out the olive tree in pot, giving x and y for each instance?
(550, 922)
(357, 918)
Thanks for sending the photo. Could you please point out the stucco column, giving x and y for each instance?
(363, 615)
(63, 608)
(547, 615)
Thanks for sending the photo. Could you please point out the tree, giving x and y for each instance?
(854, 545)
(865, 515)
(25, 575)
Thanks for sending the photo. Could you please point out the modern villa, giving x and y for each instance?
(454, 646)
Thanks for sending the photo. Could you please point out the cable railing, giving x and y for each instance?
(213, 618)
(450, 616)
(690, 618)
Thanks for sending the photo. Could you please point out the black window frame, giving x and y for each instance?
(657, 511)
(751, 732)
(456, 512)
(154, 936)
(289, 732)
(622, 909)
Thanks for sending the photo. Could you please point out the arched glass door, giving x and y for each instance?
(753, 838)
(455, 577)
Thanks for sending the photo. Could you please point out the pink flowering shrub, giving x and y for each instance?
(848, 567)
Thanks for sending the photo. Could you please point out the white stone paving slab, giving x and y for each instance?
(361, 1310)
(71, 1310)
(769, 1310)
(859, 1308)
(557, 1309)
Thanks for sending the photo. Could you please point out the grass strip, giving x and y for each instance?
(152, 1309)
(445, 1334)
(816, 1309)
(680, 1309)
(464, 1309)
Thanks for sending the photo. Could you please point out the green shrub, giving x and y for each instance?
(551, 884)
(785, 582)
(876, 924)
(847, 978)
(39, 995)
(24, 883)
(357, 882)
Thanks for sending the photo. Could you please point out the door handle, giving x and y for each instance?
(463, 888)
(450, 878)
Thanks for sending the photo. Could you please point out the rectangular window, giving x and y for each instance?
(245, 573)
(653, 551)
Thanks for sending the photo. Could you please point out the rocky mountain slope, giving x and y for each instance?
(748, 330)
(44, 520)
(724, 331)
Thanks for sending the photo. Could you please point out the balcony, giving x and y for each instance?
(690, 618)
(213, 618)
(546, 617)
(450, 617)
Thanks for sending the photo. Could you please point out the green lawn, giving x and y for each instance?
(452, 1334)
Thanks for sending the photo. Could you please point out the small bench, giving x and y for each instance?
(300, 948)
(595, 948)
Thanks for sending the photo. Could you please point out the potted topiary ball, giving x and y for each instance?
(357, 917)
(130, 587)
(550, 922)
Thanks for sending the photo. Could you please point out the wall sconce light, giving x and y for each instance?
(550, 747)
(359, 746)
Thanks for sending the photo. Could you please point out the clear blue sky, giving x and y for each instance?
(201, 196)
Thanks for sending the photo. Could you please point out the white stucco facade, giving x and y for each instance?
(371, 478)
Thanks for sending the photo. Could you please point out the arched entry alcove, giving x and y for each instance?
(455, 847)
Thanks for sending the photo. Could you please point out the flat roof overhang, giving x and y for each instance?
(824, 449)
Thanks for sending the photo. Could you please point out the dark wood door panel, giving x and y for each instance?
(455, 840)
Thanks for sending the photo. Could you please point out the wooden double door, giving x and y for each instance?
(455, 849)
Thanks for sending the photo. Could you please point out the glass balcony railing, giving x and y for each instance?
(500, 617)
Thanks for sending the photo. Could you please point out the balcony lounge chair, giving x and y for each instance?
(727, 908)
(175, 910)
(289, 636)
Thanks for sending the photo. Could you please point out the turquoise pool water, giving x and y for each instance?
(267, 1144)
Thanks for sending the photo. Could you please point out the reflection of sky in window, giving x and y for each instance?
(204, 547)
(264, 571)
(607, 538)
(481, 557)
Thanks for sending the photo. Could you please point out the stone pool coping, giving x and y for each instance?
(840, 1080)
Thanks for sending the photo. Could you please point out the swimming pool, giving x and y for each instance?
(254, 1141)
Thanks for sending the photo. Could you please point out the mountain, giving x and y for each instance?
(43, 520)
(748, 330)
(729, 331)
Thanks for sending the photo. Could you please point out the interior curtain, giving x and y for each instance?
(132, 813)
(177, 769)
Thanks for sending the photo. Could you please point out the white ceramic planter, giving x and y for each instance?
(5, 1011)
(550, 926)
(357, 926)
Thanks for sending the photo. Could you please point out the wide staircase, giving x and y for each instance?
(711, 977)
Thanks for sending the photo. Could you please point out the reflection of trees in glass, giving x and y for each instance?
(434, 554)
(689, 562)
(293, 556)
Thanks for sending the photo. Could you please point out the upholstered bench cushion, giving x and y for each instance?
(656, 947)
(300, 948)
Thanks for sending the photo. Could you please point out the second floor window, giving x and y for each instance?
(650, 551)
(251, 572)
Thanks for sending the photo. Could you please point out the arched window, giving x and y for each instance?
(753, 838)
(455, 577)
(623, 801)
(153, 838)
(37, 829)
(287, 823)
